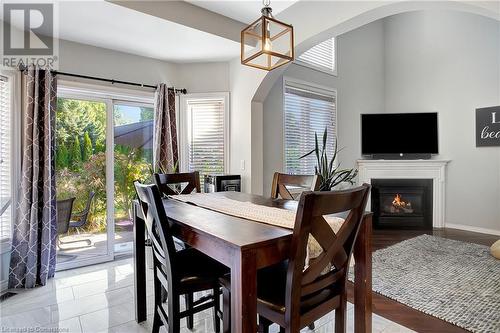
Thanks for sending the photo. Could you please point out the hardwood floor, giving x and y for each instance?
(400, 313)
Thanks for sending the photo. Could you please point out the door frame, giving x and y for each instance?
(110, 95)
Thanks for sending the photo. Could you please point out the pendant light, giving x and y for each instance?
(267, 43)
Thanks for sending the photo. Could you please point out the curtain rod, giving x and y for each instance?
(182, 91)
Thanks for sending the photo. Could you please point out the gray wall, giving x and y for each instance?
(360, 89)
(448, 62)
(426, 61)
(95, 61)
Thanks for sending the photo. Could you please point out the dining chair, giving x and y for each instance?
(175, 272)
(282, 183)
(171, 183)
(294, 295)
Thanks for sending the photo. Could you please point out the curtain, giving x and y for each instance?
(165, 150)
(33, 256)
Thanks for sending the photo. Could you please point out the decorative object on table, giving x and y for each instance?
(488, 127)
(270, 42)
(495, 249)
(427, 273)
(221, 183)
(330, 174)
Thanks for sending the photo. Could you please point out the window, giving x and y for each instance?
(307, 110)
(5, 162)
(321, 56)
(203, 133)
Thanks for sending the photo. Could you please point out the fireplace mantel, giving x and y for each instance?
(410, 169)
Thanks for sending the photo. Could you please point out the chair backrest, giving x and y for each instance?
(281, 182)
(85, 213)
(157, 226)
(64, 209)
(305, 284)
(171, 183)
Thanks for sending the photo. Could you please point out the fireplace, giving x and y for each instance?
(402, 203)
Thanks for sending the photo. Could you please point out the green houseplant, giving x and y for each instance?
(330, 174)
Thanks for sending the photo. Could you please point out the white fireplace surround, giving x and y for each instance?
(410, 169)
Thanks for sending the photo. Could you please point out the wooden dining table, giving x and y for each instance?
(245, 246)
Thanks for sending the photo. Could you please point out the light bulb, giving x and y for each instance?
(268, 46)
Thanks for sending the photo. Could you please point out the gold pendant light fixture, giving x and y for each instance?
(267, 43)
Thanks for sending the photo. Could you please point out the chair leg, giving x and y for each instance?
(189, 304)
(340, 314)
(226, 310)
(216, 293)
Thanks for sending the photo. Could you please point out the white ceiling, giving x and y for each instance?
(242, 10)
(111, 26)
(107, 25)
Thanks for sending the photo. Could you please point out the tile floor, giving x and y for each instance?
(99, 298)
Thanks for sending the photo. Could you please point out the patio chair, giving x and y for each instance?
(79, 220)
(64, 208)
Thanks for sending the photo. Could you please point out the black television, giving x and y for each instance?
(399, 135)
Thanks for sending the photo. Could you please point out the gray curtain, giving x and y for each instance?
(33, 256)
(165, 150)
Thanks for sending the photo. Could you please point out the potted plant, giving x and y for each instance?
(329, 173)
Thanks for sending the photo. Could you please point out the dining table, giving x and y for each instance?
(245, 246)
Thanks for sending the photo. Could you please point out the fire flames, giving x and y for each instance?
(401, 206)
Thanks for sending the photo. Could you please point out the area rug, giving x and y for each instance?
(454, 281)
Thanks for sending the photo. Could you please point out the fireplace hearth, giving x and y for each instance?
(402, 203)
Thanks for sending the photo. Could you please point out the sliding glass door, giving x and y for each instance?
(84, 171)
(133, 158)
(103, 145)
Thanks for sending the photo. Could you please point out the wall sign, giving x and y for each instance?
(488, 127)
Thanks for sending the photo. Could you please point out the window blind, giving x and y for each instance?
(206, 136)
(321, 56)
(307, 111)
(5, 160)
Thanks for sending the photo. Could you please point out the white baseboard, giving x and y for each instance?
(473, 229)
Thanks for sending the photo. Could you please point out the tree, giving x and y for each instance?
(87, 147)
(76, 153)
(62, 156)
(147, 114)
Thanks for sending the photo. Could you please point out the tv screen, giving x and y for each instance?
(399, 133)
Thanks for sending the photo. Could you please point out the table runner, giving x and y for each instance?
(270, 215)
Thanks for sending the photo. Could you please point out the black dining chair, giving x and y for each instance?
(171, 183)
(293, 295)
(177, 273)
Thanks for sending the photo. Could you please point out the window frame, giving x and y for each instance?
(182, 128)
(15, 150)
(306, 85)
(333, 72)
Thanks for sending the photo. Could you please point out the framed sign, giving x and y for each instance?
(488, 127)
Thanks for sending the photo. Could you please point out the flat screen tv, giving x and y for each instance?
(399, 135)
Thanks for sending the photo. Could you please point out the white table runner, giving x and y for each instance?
(271, 215)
